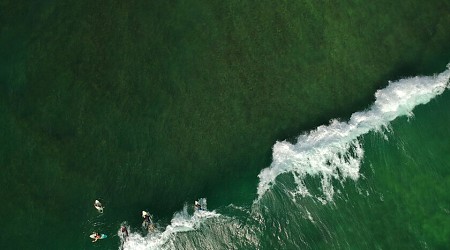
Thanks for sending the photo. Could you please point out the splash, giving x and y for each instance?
(182, 221)
(334, 151)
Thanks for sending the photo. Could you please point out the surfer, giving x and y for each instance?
(124, 231)
(123, 236)
(97, 236)
(197, 205)
(98, 206)
(147, 224)
(146, 216)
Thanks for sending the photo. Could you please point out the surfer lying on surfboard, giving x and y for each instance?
(96, 236)
(197, 205)
(98, 206)
(200, 204)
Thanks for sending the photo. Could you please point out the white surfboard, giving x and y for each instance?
(98, 206)
(102, 236)
(201, 204)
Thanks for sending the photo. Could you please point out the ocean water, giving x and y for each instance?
(306, 124)
(377, 181)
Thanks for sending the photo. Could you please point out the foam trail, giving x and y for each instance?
(181, 222)
(333, 151)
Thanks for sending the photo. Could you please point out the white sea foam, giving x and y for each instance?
(181, 222)
(334, 151)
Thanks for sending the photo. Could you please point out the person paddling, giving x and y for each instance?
(96, 237)
(98, 206)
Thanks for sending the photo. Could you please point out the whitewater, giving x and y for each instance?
(332, 152)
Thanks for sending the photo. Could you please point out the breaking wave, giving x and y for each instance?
(334, 151)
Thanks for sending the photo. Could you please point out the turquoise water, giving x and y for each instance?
(148, 105)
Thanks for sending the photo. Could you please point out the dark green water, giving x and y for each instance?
(148, 105)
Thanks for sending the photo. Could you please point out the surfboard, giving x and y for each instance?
(202, 203)
(98, 206)
(102, 236)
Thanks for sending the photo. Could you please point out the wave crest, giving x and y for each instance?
(334, 151)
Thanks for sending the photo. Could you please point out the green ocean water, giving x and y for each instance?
(149, 105)
(401, 201)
